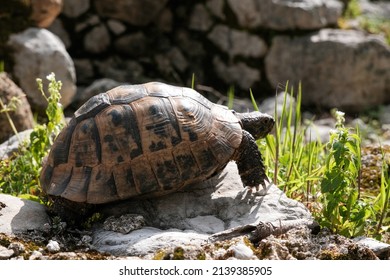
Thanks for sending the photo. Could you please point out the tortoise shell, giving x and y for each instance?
(140, 140)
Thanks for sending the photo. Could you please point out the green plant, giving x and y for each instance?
(371, 23)
(294, 163)
(381, 202)
(353, 9)
(20, 173)
(376, 26)
(326, 177)
(10, 107)
(342, 209)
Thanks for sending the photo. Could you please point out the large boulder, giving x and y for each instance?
(37, 53)
(190, 217)
(338, 68)
(19, 215)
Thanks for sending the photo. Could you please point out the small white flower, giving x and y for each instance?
(340, 114)
(51, 76)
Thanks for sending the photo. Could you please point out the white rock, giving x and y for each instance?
(53, 246)
(35, 255)
(222, 197)
(7, 148)
(17, 247)
(5, 253)
(145, 241)
(242, 252)
(20, 215)
(218, 204)
(206, 224)
(379, 248)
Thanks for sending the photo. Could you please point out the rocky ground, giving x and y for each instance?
(204, 222)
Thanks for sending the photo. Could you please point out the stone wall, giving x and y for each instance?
(257, 44)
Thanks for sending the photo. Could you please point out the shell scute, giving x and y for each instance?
(102, 188)
(85, 145)
(93, 106)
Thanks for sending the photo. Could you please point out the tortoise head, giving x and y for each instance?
(256, 123)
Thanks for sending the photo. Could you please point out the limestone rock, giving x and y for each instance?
(53, 246)
(381, 249)
(147, 240)
(10, 146)
(57, 27)
(135, 12)
(97, 40)
(20, 215)
(242, 252)
(5, 253)
(236, 42)
(45, 11)
(239, 74)
(188, 218)
(22, 116)
(17, 247)
(286, 14)
(345, 69)
(223, 197)
(36, 54)
(200, 19)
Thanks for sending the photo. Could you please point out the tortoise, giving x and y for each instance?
(149, 140)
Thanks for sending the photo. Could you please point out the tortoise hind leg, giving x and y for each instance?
(249, 162)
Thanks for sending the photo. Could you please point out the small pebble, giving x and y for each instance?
(53, 246)
(35, 255)
(5, 253)
(17, 247)
(242, 252)
(125, 223)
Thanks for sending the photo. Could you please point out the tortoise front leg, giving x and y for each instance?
(249, 162)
